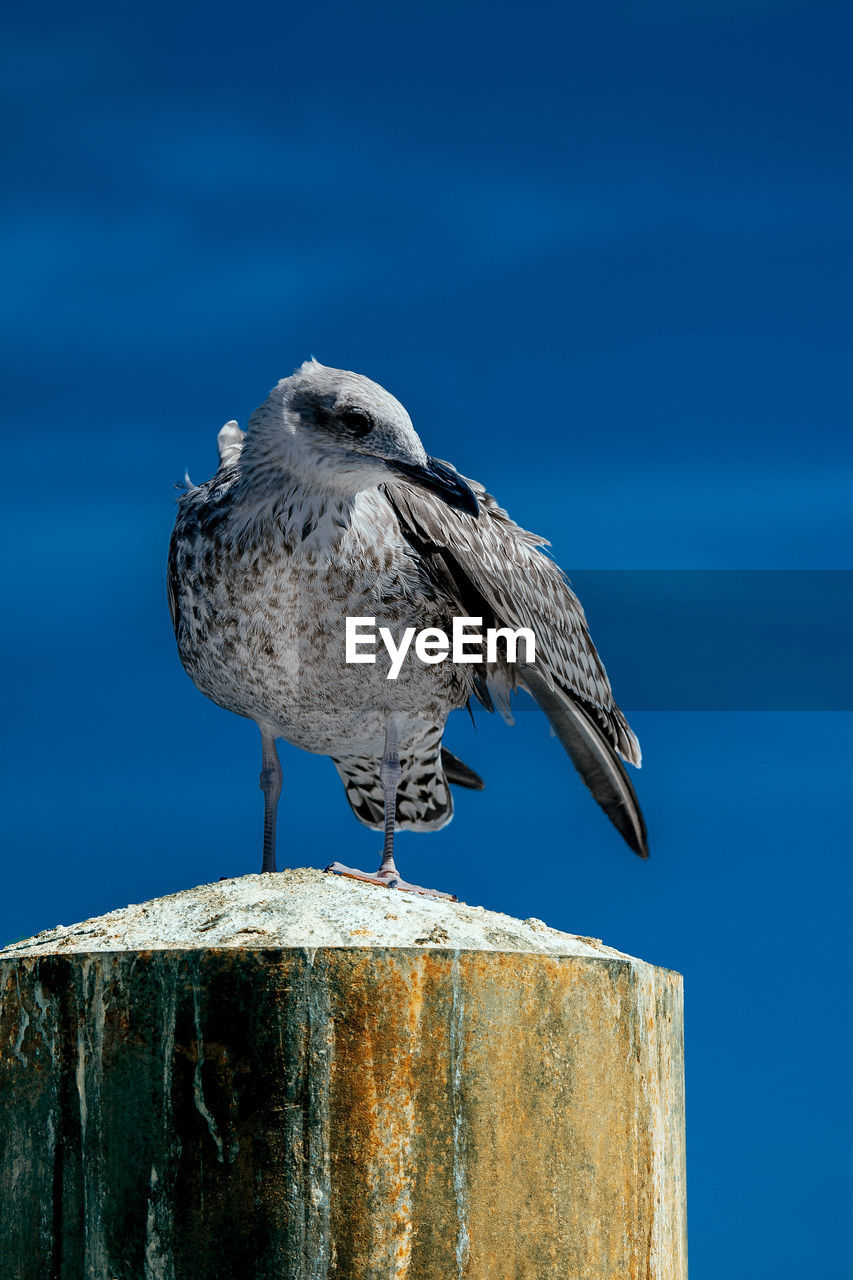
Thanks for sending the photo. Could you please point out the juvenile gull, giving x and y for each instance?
(328, 507)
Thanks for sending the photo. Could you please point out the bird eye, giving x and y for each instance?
(356, 420)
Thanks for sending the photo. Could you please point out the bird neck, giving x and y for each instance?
(276, 502)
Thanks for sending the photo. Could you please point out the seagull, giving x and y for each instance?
(327, 508)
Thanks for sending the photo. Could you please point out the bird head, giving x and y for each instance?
(340, 432)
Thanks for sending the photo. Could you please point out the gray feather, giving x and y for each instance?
(458, 773)
(594, 758)
(424, 802)
(496, 570)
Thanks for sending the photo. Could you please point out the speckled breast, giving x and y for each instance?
(263, 633)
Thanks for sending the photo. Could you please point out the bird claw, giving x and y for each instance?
(388, 880)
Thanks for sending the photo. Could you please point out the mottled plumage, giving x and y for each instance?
(328, 507)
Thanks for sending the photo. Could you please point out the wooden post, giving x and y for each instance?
(368, 1112)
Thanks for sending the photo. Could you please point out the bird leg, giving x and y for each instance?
(390, 774)
(271, 787)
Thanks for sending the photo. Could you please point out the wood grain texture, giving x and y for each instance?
(362, 1113)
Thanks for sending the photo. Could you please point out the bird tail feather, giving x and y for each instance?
(424, 802)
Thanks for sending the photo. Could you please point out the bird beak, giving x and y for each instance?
(440, 478)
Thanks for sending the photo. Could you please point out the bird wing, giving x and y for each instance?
(496, 570)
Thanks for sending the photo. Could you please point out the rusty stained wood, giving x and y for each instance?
(357, 1113)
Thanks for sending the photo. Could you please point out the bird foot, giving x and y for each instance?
(387, 880)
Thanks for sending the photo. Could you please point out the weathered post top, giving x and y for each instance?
(302, 1076)
(303, 908)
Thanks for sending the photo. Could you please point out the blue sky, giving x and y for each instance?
(605, 260)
